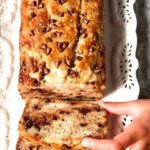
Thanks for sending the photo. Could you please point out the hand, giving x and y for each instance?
(136, 135)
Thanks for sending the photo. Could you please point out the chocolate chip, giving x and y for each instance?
(34, 3)
(31, 33)
(62, 46)
(86, 21)
(64, 112)
(96, 69)
(84, 111)
(57, 63)
(66, 147)
(28, 123)
(44, 46)
(79, 58)
(52, 21)
(41, 74)
(73, 74)
(95, 39)
(55, 117)
(69, 61)
(95, 36)
(42, 65)
(37, 127)
(83, 33)
(94, 43)
(48, 39)
(32, 15)
(37, 107)
(84, 14)
(38, 2)
(60, 14)
(48, 50)
(41, 5)
(70, 12)
(46, 29)
(46, 71)
(83, 124)
(100, 125)
(91, 50)
(57, 34)
(34, 67)
(62, 1)
(41, 24)
(98, 109)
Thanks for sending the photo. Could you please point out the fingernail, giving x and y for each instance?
(85, 142)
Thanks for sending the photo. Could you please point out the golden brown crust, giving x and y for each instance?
(61, 48)
(62, 122)
(24, 144)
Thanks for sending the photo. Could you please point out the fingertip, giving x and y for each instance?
(87, 142)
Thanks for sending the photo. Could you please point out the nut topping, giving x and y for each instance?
(62, 46)
(69, 61)
(62, 1)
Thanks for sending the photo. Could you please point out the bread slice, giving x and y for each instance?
(62, 122)
(24, 144)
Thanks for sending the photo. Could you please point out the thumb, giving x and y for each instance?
(120, 108)
(100, 144)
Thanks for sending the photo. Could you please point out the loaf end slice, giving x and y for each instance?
(62, 122)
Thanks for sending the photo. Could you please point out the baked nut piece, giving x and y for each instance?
(61, 49)
(62, 122)
(24, 144)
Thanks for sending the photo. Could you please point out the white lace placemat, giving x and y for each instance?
(120, 41)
